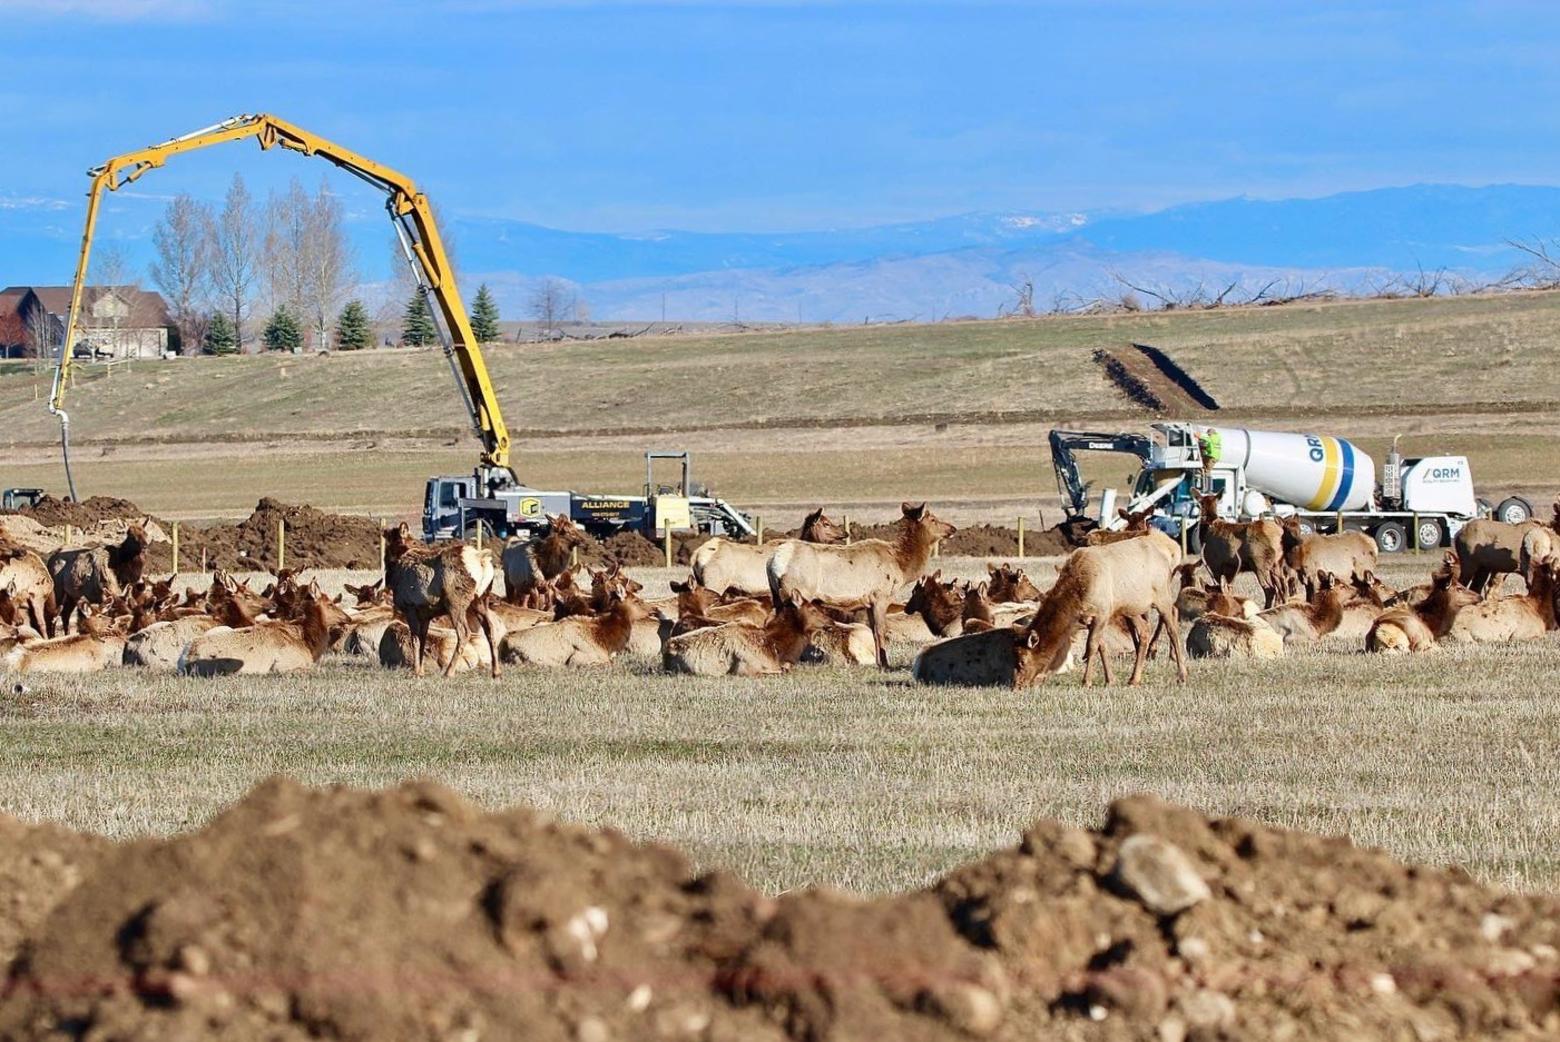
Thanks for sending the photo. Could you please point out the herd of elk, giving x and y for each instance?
(820, 601)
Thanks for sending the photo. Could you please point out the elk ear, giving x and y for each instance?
(1123, 514)
(795, 600)
(981, 589)
(678, 587)
(813, 517)
(1032, 640)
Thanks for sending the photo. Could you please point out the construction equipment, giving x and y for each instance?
(17, 498)
(492, 492)
(1326, 482)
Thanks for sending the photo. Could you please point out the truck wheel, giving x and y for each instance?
(1430, 533)
(1514, 510)
(1391, 537)
(1193, 539)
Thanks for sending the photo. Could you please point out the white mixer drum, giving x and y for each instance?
(1312, 471)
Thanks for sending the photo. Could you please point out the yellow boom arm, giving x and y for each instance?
(414, 226)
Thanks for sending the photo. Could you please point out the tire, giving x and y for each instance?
(1391, 537)
(1307, 526)
(1193, 539)
(1514, 510)
(1431, 532)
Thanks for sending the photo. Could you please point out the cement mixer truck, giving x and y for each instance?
(1325, 481)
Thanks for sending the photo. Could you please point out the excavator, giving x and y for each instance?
(491, 499)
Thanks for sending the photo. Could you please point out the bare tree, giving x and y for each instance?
(112, 272)
(236, 244)
(552, 303)
(182, 270)
(1024, 291)
(286, 248)
(328, 261)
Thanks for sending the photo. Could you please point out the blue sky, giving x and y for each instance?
(626, 116)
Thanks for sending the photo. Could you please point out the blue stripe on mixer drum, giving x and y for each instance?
(1347, 479)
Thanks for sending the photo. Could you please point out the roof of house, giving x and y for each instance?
(11, 299)
(147, 306)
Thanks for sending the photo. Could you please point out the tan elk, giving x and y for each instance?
(1487, 548)
(31, 586)
(1522, 617)
(425, 582)
(744, 649)
(528, 563)
(722, 564)
(1099, 585)
(272, 646)
(1137, 524)
(97, 645)
(1347, 555)
(581, 640)
(1009, 585)
(869, 572)
(1405, 628)
(1308, 621)
(1232, 547)
(1220, 636)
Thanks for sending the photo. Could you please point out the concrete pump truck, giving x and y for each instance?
(491, 498)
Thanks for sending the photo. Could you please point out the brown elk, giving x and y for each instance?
(722, 564)
(1522, 617)
(426, 582)
(1220, 636)
(868, 572)
(528, 563)
(1487, 548)
(1137, 524)
(31, 585)
(698, 605)
(745, 649)
(1007, 656)
(1407, 628)
(1232, 547)
(1100, 584)
(1314, 619)
(978, 612)
(127, 559)
(1009, 585)
(88, 651)
(938, 605)
(581, 640)
(274, 646)
(1346, 555)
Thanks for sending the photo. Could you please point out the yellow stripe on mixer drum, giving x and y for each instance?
(1330, 457)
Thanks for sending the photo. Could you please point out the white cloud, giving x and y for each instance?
(32, 202)
(115, 10)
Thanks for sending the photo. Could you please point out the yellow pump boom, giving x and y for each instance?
(415, 228)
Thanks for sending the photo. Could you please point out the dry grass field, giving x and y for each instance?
(847, 778)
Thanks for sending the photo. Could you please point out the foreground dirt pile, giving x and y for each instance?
(410, 913)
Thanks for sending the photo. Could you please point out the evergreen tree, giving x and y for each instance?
(282, 332)
(221, 337)
(417, 328)
(352, 329)
(484, 316)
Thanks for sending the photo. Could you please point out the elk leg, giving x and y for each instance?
(1170, 618)
(462, 634)
(420, 623)
(1139, 625)
(42, 621)
(878, 616)
(485, 619)
(1090, 648)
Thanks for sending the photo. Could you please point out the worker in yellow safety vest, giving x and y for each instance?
(1209, 444)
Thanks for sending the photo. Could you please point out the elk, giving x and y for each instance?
(937, 605)
(869, 572)
(31, 586)
(1007, 656)
(580, 640)
(425, 582)
(1504, 619)
(842, 644)
(978, 611)
(527, 563)
(1314, 619)
(1137, 524)
(127, 560)
(725, 565)
(272, 646)
(1218, 599)
(1406, 629)
(698, 605)
(87, 651)
(1345, 554)
(81, 574)
(1487, 548)
(1232, 547)
(160, 645)
(1220, 636)
(1009, 585)
(1368, 599)
(745, 649)
(1100, 584)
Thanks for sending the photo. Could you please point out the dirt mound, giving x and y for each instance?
(1162, 925)
(984, 540)
(315, 539)
(89, 513)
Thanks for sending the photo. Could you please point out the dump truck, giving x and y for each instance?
(1329, 483)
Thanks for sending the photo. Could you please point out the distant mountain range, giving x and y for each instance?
(953, 266)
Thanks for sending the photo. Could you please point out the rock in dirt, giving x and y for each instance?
(1159, 875)
(410, 913)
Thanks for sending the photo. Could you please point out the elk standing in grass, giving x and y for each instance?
(1347, 555)
(869, 572)
(1232, 547)
(1487, 548)
(725, 565)
(425, 582)
(529, 563)
(1100, 584)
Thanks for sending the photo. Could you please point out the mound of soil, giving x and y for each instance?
(89, 513)
(984, 540)
(315, 539)
(409, 913)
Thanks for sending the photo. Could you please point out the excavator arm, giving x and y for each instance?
(414, 226)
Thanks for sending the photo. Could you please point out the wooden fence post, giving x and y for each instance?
(847, 529)
(1417, 547)
(759, 537)
(381, 527)
(175, 548)
(574, 557)
(281, 544)
(203, 560)
(668, 546)
(1021, 535)
(67, 533)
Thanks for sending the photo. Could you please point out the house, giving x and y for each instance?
(117, 321)
(26, 328)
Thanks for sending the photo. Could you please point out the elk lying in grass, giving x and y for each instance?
(725, 565)
(745, 649)
(581, 640)
(528, 563)
(31, 586)
(1368, 599)
(934, 609)
(978, 611)
(96, 646)
(426, 582)
(1009, 585)
(161, 645)
(1504, 619)
(1232, 547)
(1487, 548)
(1137, 524)
(869, 572)
(272, 646)
(1404, 629)
(842, 644)
(1220, 636)
(1007, 656)
(1347, 555)
(699, 606)
(1100, 584)
(1308, 621)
